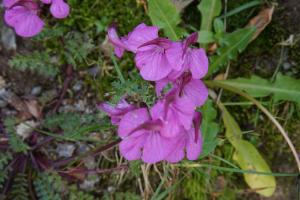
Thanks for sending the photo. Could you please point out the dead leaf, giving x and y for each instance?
(34, 108)
(261, 20)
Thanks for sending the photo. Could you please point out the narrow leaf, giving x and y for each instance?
(209, 10)
(165, 15)
(284, 87)
(235, 42)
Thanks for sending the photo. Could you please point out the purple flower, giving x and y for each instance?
(116, 113)
(59, 9)
(140, 35)
(192, 89)
(175, 112)
(152, 61)
(143, 138)
(184, 58)
(22, 15)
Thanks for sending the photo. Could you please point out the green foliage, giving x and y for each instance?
(38, 61)
(248, 157)
(74, 125)
(48, 186)
(283, 88)
(234, 43)
(165, 15)
(5, 158)
(209, 128)
(209, 10)
(15, 142)
(19, 190)
(196, 186)
(77, 48)
(136, 88)
(75, 194)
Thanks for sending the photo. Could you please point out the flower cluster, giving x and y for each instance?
(23, 15)
(170, 129)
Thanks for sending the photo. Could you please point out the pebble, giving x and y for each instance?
(65, 150)
(77, 87)
(25, 129)
(3, 104)
(8, 38)
(90, 182)
(36, 90)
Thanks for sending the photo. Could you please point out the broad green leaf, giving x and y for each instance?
(165, 15)
(209, 128)
(206, 37)
(284, 87)
(248, 158)
(235, 42)
(209, 10)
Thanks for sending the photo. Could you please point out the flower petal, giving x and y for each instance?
(132, 120)
(177, 154)
(160, 85)
(131, 147)
(59, 9)
(46, 1)
(175, 56)
(9, 3)
(116, 41)
(156, 148)
(196, 91)
(198, 63)
(183, 109)
(193, 148)
(153, 64)
(140, 35)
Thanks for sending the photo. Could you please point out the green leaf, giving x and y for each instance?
(284, 87)
(209, 10)
(209, 128)
(165, 15)
(206, 37)
(235, 42)
(248, 158)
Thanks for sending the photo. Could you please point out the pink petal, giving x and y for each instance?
(46, 1)
(116, 41)
(31, 26)
(160, 85)
(153, 64)
(156, 148)
(59, 9)
(196, 91)
(175, 56)
(183, 109)
(9, 3)
(172, 125)
(193, 148)
(177, 154)
(140, 35)
(131, 147)
(157, 110)
(132, 120)
(189, 41)
(198, 63)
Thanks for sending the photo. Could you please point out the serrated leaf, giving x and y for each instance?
(284, 87)
(248, 158)
(235, 42)
(165, 15)
(209, 128)
(209, 10)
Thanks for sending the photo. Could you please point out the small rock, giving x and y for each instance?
(65, 150)
(3, 104)
(80, 105)
(89, 162)
(90, 182)
(94, 71)
(8, 38)
(111, 189)
(286, 66)
(77, 87)
(25, 129)
(83, 148)
(36, 90)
